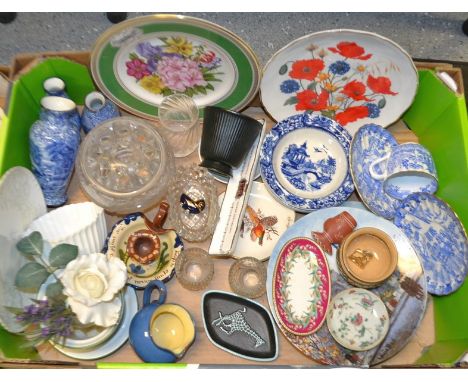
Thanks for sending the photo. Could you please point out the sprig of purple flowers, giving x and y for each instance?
(46, 320)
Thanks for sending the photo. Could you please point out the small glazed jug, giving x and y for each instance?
(159, 332)
(335, 229)
(55, 87)
(97, 109)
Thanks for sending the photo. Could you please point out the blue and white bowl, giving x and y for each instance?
(304, 162)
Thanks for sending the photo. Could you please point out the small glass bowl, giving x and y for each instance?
(194, 204)
(194, 269)
(247, 277)
(123, 165)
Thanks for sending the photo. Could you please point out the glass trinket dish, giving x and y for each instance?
(195, 210)
(194, 269)
(247, 277)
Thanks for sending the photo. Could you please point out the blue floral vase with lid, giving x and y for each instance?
(53, 142)
(55, 87)
(97, 109)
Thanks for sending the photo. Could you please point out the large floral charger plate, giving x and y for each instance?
(354, 77)
(404, 293)
(304, 162)
(301, 286)
(138, 274)
(138, 62)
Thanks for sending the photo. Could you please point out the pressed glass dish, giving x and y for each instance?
(194, 203)
(247, 277)
(194, 269)
(123, 165)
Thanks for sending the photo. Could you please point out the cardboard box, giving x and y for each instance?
(437, 117)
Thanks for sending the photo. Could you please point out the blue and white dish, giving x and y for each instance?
(371, 143)
(438, 237)
(304, 162)
(404, 293)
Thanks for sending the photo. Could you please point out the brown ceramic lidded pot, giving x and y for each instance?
(335, 229)
(367, 257)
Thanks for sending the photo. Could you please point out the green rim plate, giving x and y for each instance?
(137, 62)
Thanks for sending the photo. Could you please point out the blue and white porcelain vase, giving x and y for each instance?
(55, 87)
(97, 109)
(53, 143)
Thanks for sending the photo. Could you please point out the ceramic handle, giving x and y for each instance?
(155, 284)
(374, 173)
(161, 215)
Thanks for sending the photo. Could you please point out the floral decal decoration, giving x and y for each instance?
(344, 90)
(174, 66)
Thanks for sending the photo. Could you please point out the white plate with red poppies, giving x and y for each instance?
(353, 77)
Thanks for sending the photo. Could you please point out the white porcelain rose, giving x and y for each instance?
(91, 284)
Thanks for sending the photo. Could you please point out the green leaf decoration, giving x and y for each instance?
(290, 101)
(133, 56)
(62, 254)
(201, 89)
(328, 114)
(54, 291)
(382, 103)
(312, 85)
(31, 276)
(283, 69)
(31, 245)
(166, 92)
(14, 310)
(210, 87)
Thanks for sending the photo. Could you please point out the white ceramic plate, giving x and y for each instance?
(264, 222)
(21, 201)
(116, 341)
(354, 77)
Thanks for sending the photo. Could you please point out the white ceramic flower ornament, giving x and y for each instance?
(91, 284)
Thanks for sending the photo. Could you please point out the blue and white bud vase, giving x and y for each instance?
(55, 87)
(97, 109)
(53, 143)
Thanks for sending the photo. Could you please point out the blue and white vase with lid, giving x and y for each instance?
(97, 109)
(55, 87)
(53, 142)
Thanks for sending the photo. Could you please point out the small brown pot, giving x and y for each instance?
(335, 229)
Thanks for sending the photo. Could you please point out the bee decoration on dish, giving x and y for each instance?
(258, 225)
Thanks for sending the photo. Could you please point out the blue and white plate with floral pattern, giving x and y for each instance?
(439, 239)
(304, 162)
(370, 143)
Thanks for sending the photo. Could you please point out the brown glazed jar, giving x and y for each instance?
(335, 229)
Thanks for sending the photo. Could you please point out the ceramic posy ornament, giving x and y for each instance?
(239, 326)
(301, 286)
(353, 77)
(148, 250)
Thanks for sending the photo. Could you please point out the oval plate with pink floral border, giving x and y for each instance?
(353, 77)
(301, 286)
(137, 62)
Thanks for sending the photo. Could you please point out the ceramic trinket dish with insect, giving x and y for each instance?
(301, 286)
(358, 319)
(239, 326)
(161, 332)
(148, 250)
(264, 222)
(304, 162)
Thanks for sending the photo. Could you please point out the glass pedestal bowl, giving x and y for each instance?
(124, 165)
